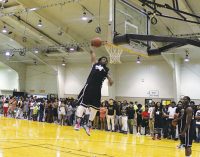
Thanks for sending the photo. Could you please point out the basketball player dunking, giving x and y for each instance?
(90, 95)
(188, 127)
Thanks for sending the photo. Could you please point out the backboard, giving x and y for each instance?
(128, 19)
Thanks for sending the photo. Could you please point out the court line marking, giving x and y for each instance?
(116, 142)
(69, 152)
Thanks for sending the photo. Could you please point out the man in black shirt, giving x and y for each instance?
(90, 95)
(118, 117)
(111, 112)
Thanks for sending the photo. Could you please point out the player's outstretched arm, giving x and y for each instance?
(110, 81)
(93, 55)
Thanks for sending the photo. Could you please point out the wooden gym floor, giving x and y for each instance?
(22, 138)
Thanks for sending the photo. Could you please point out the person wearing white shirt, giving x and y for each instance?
(172, 111)
(62, 112)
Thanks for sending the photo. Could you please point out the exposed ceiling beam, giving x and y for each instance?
(68, 32)
(36, 32)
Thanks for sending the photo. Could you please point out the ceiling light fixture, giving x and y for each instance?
(33, 9)
(84, 17)
(138, 61)
(63, 62)
(4, 30)
(40, 23)
(7, 53)
(187, 58)
(71, 49)
(36, 51)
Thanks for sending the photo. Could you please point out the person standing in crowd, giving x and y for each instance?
(19, 108)
(5, 107)
(62, 112)
(26, 108)
(41, 110)
(103, 111)
(55, 111)
(12, 106)
(118, 117)
(31, 106)
(158, 114)
(151, 112)
(96, 121)
(194, 108)
(145, 120)
(165, 121)
(132, 117)
(35, 111)
(69, 111)
(197, 118)
(178, 120)
(124, 117)
(139, 119)
(1, 103)
(49, 112)
(172, 111)
(111, 112)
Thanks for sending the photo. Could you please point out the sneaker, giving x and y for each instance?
(180, 146)
(77, 127)
(87, 130)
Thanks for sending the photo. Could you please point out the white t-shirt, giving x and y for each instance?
(150, 111)
(198, 114)
(62, 109)
(172, 111)
(31, 106)
(5, 105)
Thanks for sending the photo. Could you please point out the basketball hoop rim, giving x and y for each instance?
(126, 49)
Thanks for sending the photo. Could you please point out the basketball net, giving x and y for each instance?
(114, 52)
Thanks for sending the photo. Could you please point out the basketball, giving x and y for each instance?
(96, 42)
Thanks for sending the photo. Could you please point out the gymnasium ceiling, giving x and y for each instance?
(24, 31)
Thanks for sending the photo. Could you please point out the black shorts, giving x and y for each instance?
(55, 112)
(188, 138)
(90, 96)
(139, 121)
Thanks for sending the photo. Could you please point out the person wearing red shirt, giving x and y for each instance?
(145, 119)
(103, 111)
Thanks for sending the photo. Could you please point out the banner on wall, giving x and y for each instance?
(153, 93)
